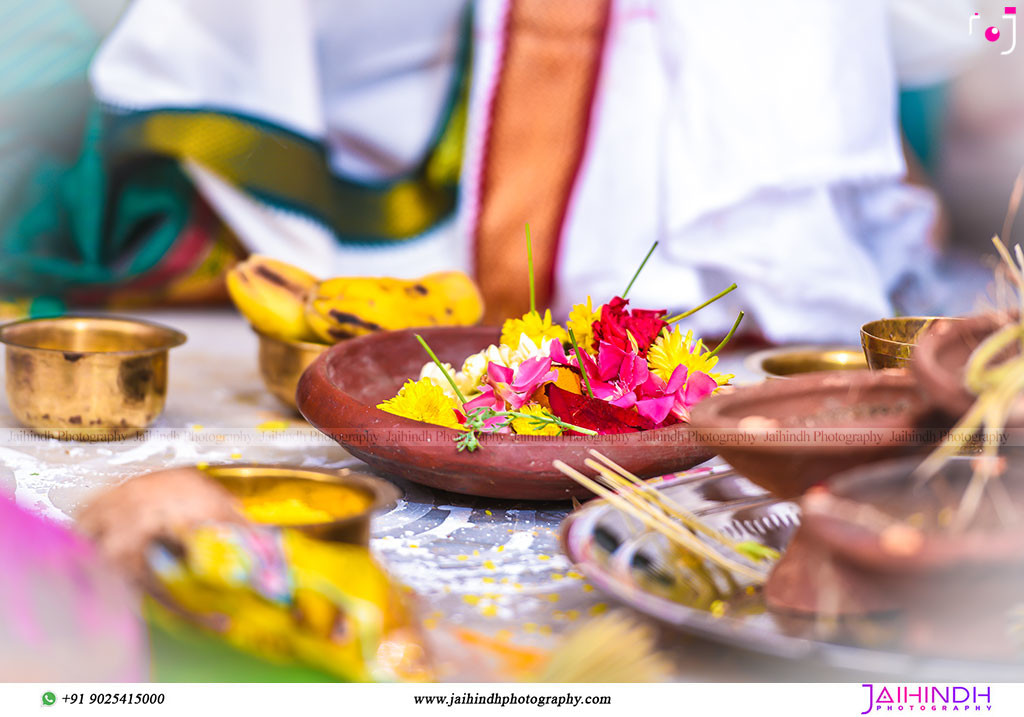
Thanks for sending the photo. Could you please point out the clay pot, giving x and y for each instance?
(942, 355)
(809, 581)
(339, 392)
(789, 435)
(888, 489)
(854, 555)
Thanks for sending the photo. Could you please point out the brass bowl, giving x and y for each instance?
(247, 481)
(795, 360)
(889, 343)
(283, 362)
(91, 378)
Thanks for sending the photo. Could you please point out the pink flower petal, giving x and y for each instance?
(490, 423)
(633, 370)
(698, 387)
(627, 400)
(653, 387)
(497, 373)
(486, 399)
(530, 373)
(676, 380)
(656, 409)
(609, 359)
(557, 353)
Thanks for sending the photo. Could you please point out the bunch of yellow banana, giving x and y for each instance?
(284, 301)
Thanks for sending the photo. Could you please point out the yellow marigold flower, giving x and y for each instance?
(425, 401)
(524, 426)
(671, 349)
(536, 328)
(581, 321)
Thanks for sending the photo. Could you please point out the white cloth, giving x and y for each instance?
(757, 141)
(366, 79)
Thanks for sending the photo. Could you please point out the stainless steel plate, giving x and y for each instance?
(630, 564)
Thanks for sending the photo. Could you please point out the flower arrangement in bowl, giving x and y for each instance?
(616, 378)
(609, 370)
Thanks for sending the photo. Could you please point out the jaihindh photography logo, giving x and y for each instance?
(927, 698)
(995, 33)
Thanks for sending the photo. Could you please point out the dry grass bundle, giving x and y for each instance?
(610, 648)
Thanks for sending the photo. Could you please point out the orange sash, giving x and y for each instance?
(535, 144)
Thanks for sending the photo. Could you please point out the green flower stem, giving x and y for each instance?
(551, 419)
(437, 362)
(728, 336)
(641, 268)
(579, 359)
(529, 260)
(694, 310)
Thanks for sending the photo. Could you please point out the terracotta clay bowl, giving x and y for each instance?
(339, 392)
(786, 436)
(942, 355)
(881, 519)
(875, 540)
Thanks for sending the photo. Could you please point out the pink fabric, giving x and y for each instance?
(64, 614)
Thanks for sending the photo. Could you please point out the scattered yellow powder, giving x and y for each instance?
(272, 426)
(598, 609)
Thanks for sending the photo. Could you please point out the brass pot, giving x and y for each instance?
(282, 363)
(248, 481)
(889, 343)
(795, 360)
(91, 378)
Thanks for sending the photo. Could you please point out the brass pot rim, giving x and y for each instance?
(756, 361)
(297, 343)
(174, 338)
(383, 493)
(865, 331)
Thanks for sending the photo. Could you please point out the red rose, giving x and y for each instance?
(644, 325)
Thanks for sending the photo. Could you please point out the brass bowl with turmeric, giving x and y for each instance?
(329, 505)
